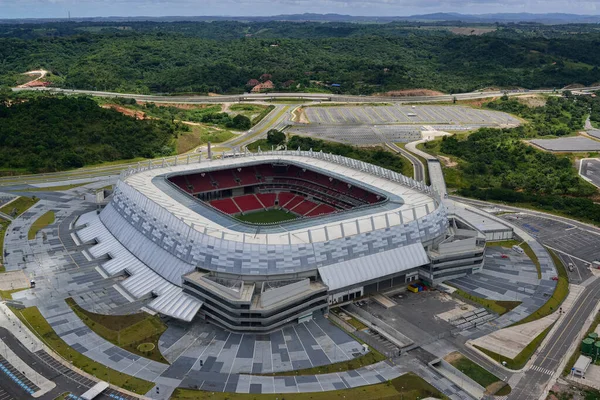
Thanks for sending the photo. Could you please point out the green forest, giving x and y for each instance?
(46, 134)
(223, 56)
(496, 164)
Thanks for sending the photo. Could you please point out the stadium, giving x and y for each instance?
(256, 241)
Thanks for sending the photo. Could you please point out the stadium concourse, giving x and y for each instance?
(359, 229)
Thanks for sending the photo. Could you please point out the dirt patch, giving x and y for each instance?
(467, 31)
(300, 116)
(532, 100)
(180, 105)
(448, 162)
(126, 111)
(494, 387)
(411, 92)
(452, 357)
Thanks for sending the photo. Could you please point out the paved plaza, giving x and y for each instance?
(510, 279)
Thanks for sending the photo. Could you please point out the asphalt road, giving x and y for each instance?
(65, 379)
(590, 169)
(532, 385)
(419, 168)
(307, 96)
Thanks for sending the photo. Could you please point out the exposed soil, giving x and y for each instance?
(300, 116)
(494, 387)
(180, 105)
(126, 111)
(411, 92)
(454, 356)
(447, 161)
(471, 31)
(532, 100)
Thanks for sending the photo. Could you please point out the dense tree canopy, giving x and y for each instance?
(223, 56)
(51, 134)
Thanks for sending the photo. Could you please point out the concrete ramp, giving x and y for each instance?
(384, 300)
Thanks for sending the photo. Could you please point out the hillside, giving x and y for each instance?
(51, 134)
(222, 56)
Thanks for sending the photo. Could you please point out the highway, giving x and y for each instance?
(304, 96)
(533, 384)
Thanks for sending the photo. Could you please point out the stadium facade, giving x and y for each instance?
(173, 235)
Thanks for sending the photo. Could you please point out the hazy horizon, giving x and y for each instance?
(254, 8)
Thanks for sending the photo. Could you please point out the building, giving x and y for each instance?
(581, 366)
(261, 87)
(172, 232)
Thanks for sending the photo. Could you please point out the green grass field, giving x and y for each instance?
(40, 223)
(33, 319)
(19, 206)
(406, 387)
(267, 217)
(126, 331)
(476, 372)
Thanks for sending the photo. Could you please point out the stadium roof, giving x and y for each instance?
(415, 203)
(373, 266)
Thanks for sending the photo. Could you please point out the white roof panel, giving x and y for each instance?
(373, 266)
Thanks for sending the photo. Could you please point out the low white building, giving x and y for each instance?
(581, 366)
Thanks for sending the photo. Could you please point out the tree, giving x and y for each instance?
(275, 137)
(241, 122)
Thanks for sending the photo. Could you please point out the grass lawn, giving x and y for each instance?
(408, 387)
(126, 331)
(251, 111)
(3, 227)
(63, 396)
(32, 318)
(19, 206)
(558, 296)
(265, 217)
(369, 358)
(7, 294)
(199, 135)
(521, 359)
(476, 372)
(41, 223)
(54, 188)
(500, 307)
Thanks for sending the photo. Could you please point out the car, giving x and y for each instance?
(504, 256)
(555, 278)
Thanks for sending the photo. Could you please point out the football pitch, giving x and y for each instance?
(269, 216)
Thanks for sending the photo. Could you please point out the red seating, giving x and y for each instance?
(320, 210)
(181, 181)
(293, 202)
(284, 197)
(304, 207)
(248, 202)
(267, 199)
(225, 205)
(224, 179)
(200, 183)
(247, 176)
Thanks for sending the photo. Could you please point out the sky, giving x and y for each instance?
(105, 8)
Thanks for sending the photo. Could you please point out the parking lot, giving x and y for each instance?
(580, 244)
(590, 168)
(567, 144)
(401, 114)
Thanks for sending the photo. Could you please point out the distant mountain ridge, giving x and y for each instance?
(550, 18)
